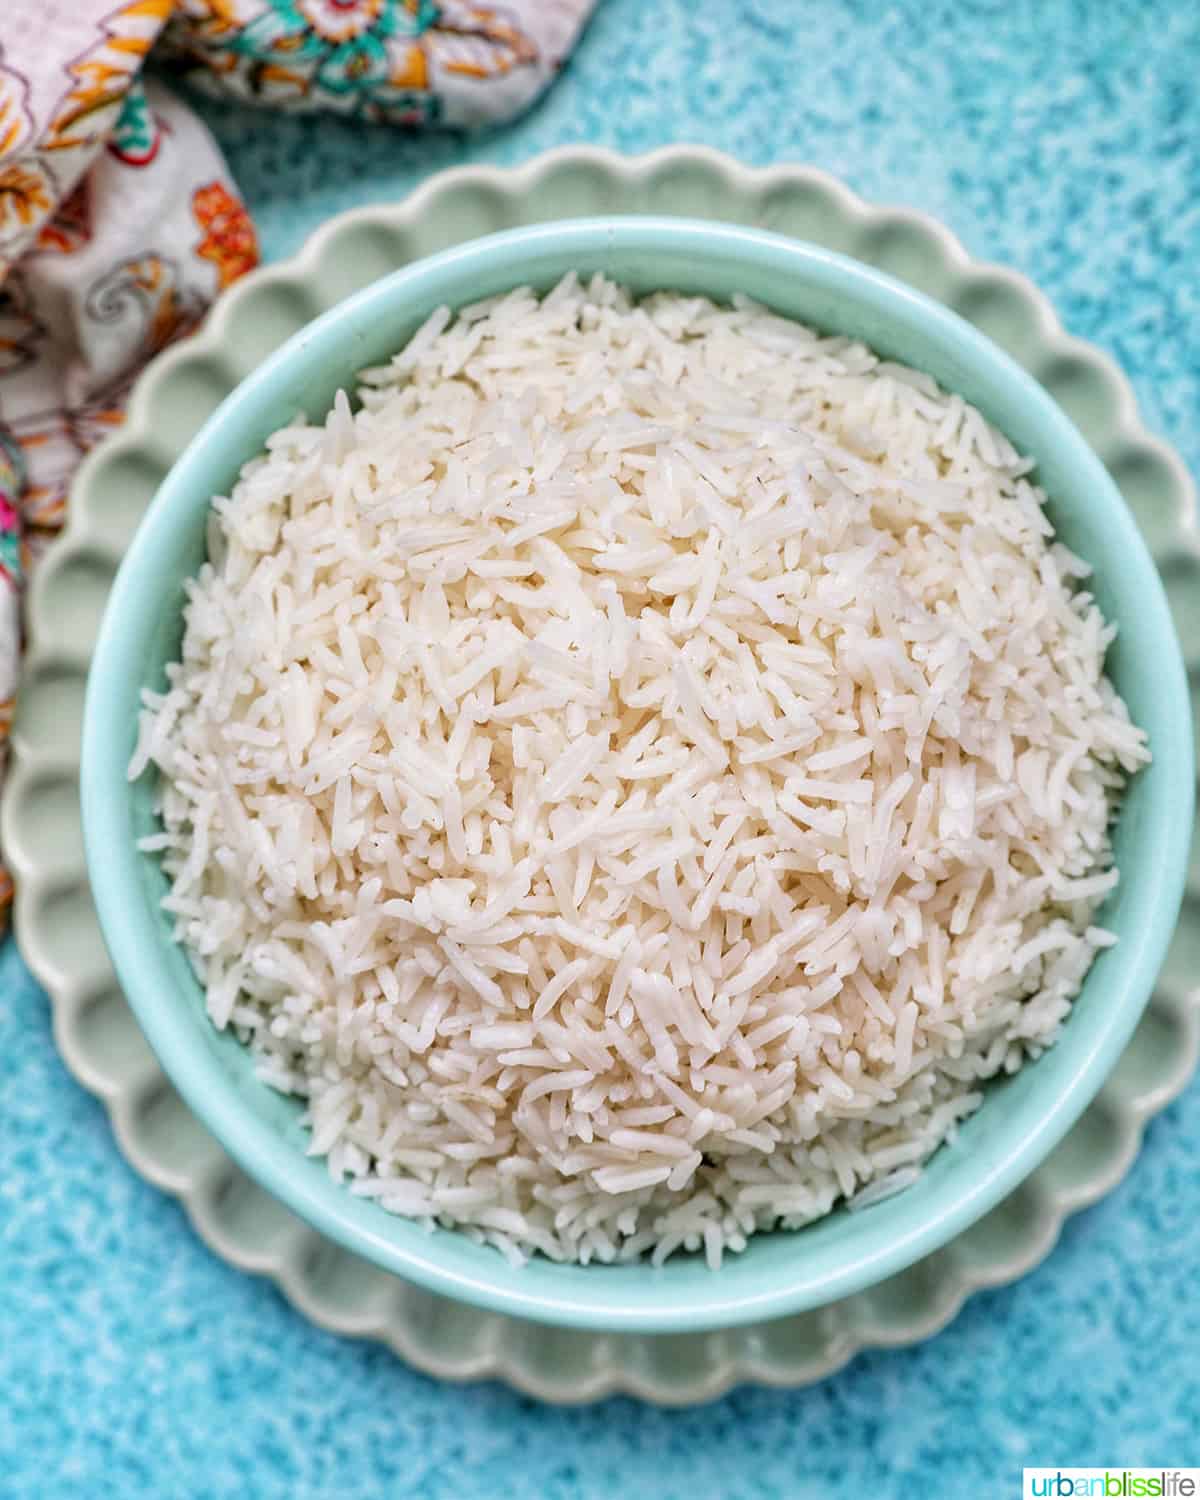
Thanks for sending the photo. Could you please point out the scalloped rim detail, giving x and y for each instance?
(130, 1082)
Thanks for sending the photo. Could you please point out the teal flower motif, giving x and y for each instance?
(135, 137)
(340, 46)
(12, 480)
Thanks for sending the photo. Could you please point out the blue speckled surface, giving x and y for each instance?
(1063, 139)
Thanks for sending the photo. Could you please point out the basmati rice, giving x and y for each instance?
(637, 775)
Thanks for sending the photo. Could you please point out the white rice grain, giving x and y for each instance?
(637, 774)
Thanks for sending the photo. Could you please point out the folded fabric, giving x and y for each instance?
(406, 62)
(120, 223)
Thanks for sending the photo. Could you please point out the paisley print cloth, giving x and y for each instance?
(119, 222)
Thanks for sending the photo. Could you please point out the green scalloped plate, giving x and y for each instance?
(56, 921)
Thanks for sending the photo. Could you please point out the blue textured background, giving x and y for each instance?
(1062, 138)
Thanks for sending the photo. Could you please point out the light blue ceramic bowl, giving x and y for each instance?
(1022, 1117)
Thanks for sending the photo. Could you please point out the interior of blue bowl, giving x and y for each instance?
(1022, 1117)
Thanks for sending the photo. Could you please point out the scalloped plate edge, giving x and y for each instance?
(622, 1364)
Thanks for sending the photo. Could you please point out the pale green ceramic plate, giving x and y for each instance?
(173, 399)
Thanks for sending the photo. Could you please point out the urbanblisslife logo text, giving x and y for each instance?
(1112, 1484)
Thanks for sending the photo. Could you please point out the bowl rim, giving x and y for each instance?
(258, 1147)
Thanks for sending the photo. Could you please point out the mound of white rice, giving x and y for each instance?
(638, 775)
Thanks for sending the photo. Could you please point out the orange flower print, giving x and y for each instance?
(100, 76)
(411, 70)
(229, 239)
(71, 226)
(26, 196)
(15, 125)
(212, 18)
(476, 41)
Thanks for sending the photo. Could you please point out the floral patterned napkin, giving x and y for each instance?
(119, 222)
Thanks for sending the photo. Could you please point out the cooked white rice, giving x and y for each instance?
(637, 776)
